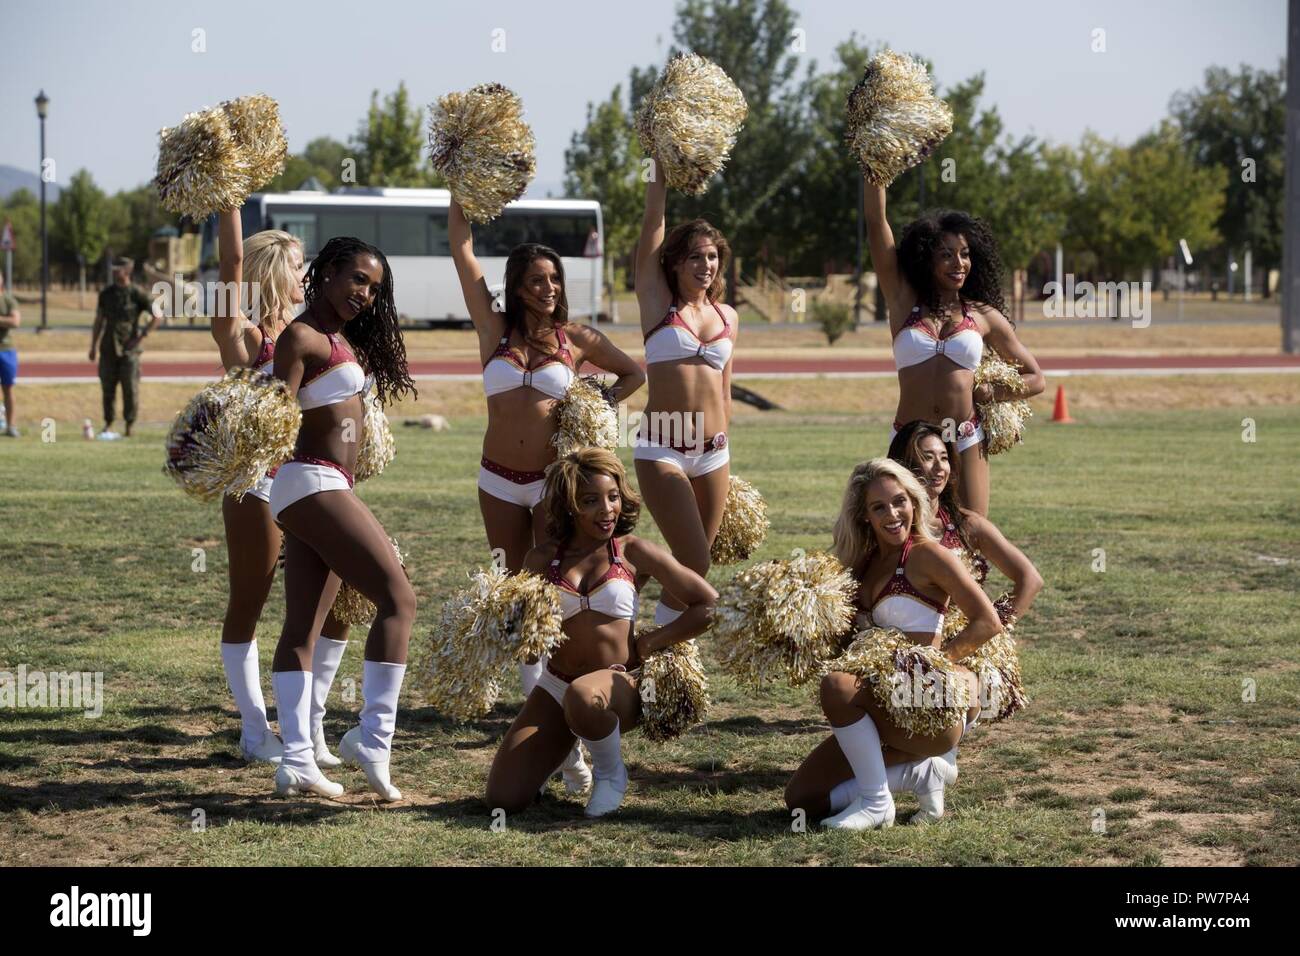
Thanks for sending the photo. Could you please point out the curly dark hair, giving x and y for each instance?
(373, 334)
(916, 257)
(906, 450)
(564, 477)
(520, 258)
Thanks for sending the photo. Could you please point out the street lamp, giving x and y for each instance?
(42, 108)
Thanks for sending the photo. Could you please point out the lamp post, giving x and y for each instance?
(42, 108)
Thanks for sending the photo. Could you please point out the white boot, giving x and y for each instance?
(326, 657)
(609, 775)
(369, 744)
(269, 749)
(873, 806)
(938, 773)
(297, 772)
(256, 740)
(576, 773)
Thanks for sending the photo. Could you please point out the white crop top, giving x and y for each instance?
(552, 376)
(916, 343)
(901, 605)
(673, 339)
(614, 595)
(337, 381)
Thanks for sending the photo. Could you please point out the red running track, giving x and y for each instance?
(34, 369)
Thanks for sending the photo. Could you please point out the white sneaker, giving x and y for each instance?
(322, 751)
(606, 794)
(289, 784)
(11, 432)
(269, 749)
(856, 816)
(376, 771)
(576, 773)
(939, 772)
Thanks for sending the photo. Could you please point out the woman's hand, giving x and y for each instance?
(984, 394)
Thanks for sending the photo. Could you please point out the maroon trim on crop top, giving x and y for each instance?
(917, 319)
(339, 355)
(561, 353)
(950, 538)
(312, 460)
(617, 569)
(675, 318)
(265, 351)
(898, 584)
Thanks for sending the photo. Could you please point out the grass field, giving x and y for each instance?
(1141, 676)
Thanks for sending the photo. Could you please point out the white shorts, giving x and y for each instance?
(690, 464)
(553, 685)
(299, 479)
(262, 490)
(525, 494)
(969, 434)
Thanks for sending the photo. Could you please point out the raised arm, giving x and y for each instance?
(597, 349)
(1002, 336)
(228, 320)
(488, 323)
(1006, 557)
(884, 253)
(682, 583)
(652, 292)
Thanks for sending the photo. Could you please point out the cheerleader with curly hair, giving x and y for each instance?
(682, 459)
(920, 448)
(906, 579)
(272, 263)
(586, 691)
(942, 286)
(350, 328)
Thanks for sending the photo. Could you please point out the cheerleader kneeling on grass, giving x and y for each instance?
(587, 689)
(906, 579)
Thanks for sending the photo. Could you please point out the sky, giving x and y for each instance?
(116, 73)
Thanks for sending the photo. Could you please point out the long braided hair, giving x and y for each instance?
(373, 334)
(916, 258)
(906, 450)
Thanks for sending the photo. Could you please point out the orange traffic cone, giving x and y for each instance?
(1061, 413)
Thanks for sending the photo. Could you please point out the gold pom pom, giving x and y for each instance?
(996, 663)
(922, 690)
(584, 419)
(674, 691)
(200, 167)
(351, 606)
(255, 124)
(378, 448)
(230, 434)
(215, 158)
(689, 121)
(744, 524)
(784, 618)
(498, 621)
(893, 119)
(1004, 422)
(479, 141)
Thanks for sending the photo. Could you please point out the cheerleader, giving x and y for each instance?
(942, 287)
(681, 454)
(273, 263)
(587, 690)
(883, 534)
(330, 534)
(920, 448)
(530, 353)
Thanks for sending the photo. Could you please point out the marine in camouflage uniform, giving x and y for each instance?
(117, 317)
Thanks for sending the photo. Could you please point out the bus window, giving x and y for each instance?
(439, 244)
(404, 232)
(359, 224)
(300, 225)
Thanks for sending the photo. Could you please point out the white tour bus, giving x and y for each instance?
(410, 226)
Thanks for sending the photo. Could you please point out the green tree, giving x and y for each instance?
(389, 143)
(1237, 123)
(603, 162)
(134, 215)
(23, 210)
(81, 221)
